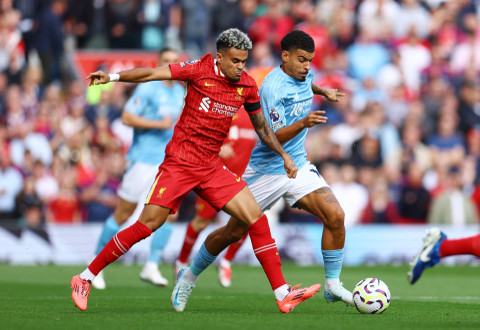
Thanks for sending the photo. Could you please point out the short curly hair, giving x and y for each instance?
(233, 38)
(297, 40)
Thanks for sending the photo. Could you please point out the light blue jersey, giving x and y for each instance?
(153, 100)
(284, 101)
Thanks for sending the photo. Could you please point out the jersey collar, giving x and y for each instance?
(217, 70)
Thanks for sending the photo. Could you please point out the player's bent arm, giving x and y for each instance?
(129, 119)
(134, 75)
(330, 94)
(269, 138)
(287, 133)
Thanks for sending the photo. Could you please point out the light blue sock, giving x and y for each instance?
(159, 241)
(332, 260)
(201, 261)
(110, 228)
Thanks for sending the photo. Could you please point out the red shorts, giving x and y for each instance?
(176, 178)
(204, 209)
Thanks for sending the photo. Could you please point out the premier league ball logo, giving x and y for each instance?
(274, 115)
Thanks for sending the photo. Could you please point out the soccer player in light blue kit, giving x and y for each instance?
(152, 111)
(286, 98)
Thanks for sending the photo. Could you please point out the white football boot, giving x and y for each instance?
(338, 293)
(151, 274)
(181, 291)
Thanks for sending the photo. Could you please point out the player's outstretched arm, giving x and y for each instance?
(129, 119)
(269, 138)
(331, 94)
(134, 75)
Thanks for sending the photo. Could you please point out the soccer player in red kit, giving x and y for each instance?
(235, 154)
(215, 89)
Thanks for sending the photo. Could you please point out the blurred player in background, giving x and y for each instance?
(286, 98)
(152, 111)
(436, 246)
(216, 89)
(235, 154)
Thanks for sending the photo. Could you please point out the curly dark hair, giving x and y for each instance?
(298, 40)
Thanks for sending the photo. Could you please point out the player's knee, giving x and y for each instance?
(121, 217)
(336, 219)
(235, 234)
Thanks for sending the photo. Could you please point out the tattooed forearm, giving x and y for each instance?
(328, 196)
(265, 133)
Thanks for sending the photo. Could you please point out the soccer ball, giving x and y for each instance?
(371, 296)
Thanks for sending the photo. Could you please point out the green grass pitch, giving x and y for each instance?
(39, 298)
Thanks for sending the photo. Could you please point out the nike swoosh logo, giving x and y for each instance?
(209, 85)
(238, 179)
(175, 303)
(424, 254)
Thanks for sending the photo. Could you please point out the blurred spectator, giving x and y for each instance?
(227, 14)
(352, 196)
(453, 206)
(12, 48)
(29, 206)
(320, 34)
(273, 25)
(46, 186)
(29, 12)
(412, 14)
(81, 21)
(414, 200)
(124, 29)
(3, 91)
(346, 133)
(196, 25)
(366, 151)
(446, 142)
(105, 108)
(65, 207)
(75, 121)
(469, 107)
(50, 39)
(380, 208)
(411, 150)
(466, 54)
(367, 93)
(378, 15)
(414, 58)
(98, 193)
(366, 57)
(150, 17)
(11, 183)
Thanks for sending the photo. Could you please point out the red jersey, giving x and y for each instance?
(211, 101)
(242, 138)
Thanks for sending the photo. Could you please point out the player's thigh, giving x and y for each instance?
(266, 189)
(123, 210)
(311, 192)
(136, 182)
(244, 207)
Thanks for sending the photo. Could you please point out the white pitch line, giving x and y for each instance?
(438, 298)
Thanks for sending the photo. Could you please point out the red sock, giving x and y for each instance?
(119, 245)
(452, 247)
(190, 239)
(266, 251)
(233, 248)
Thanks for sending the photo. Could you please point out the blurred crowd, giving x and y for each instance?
(403, 145)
